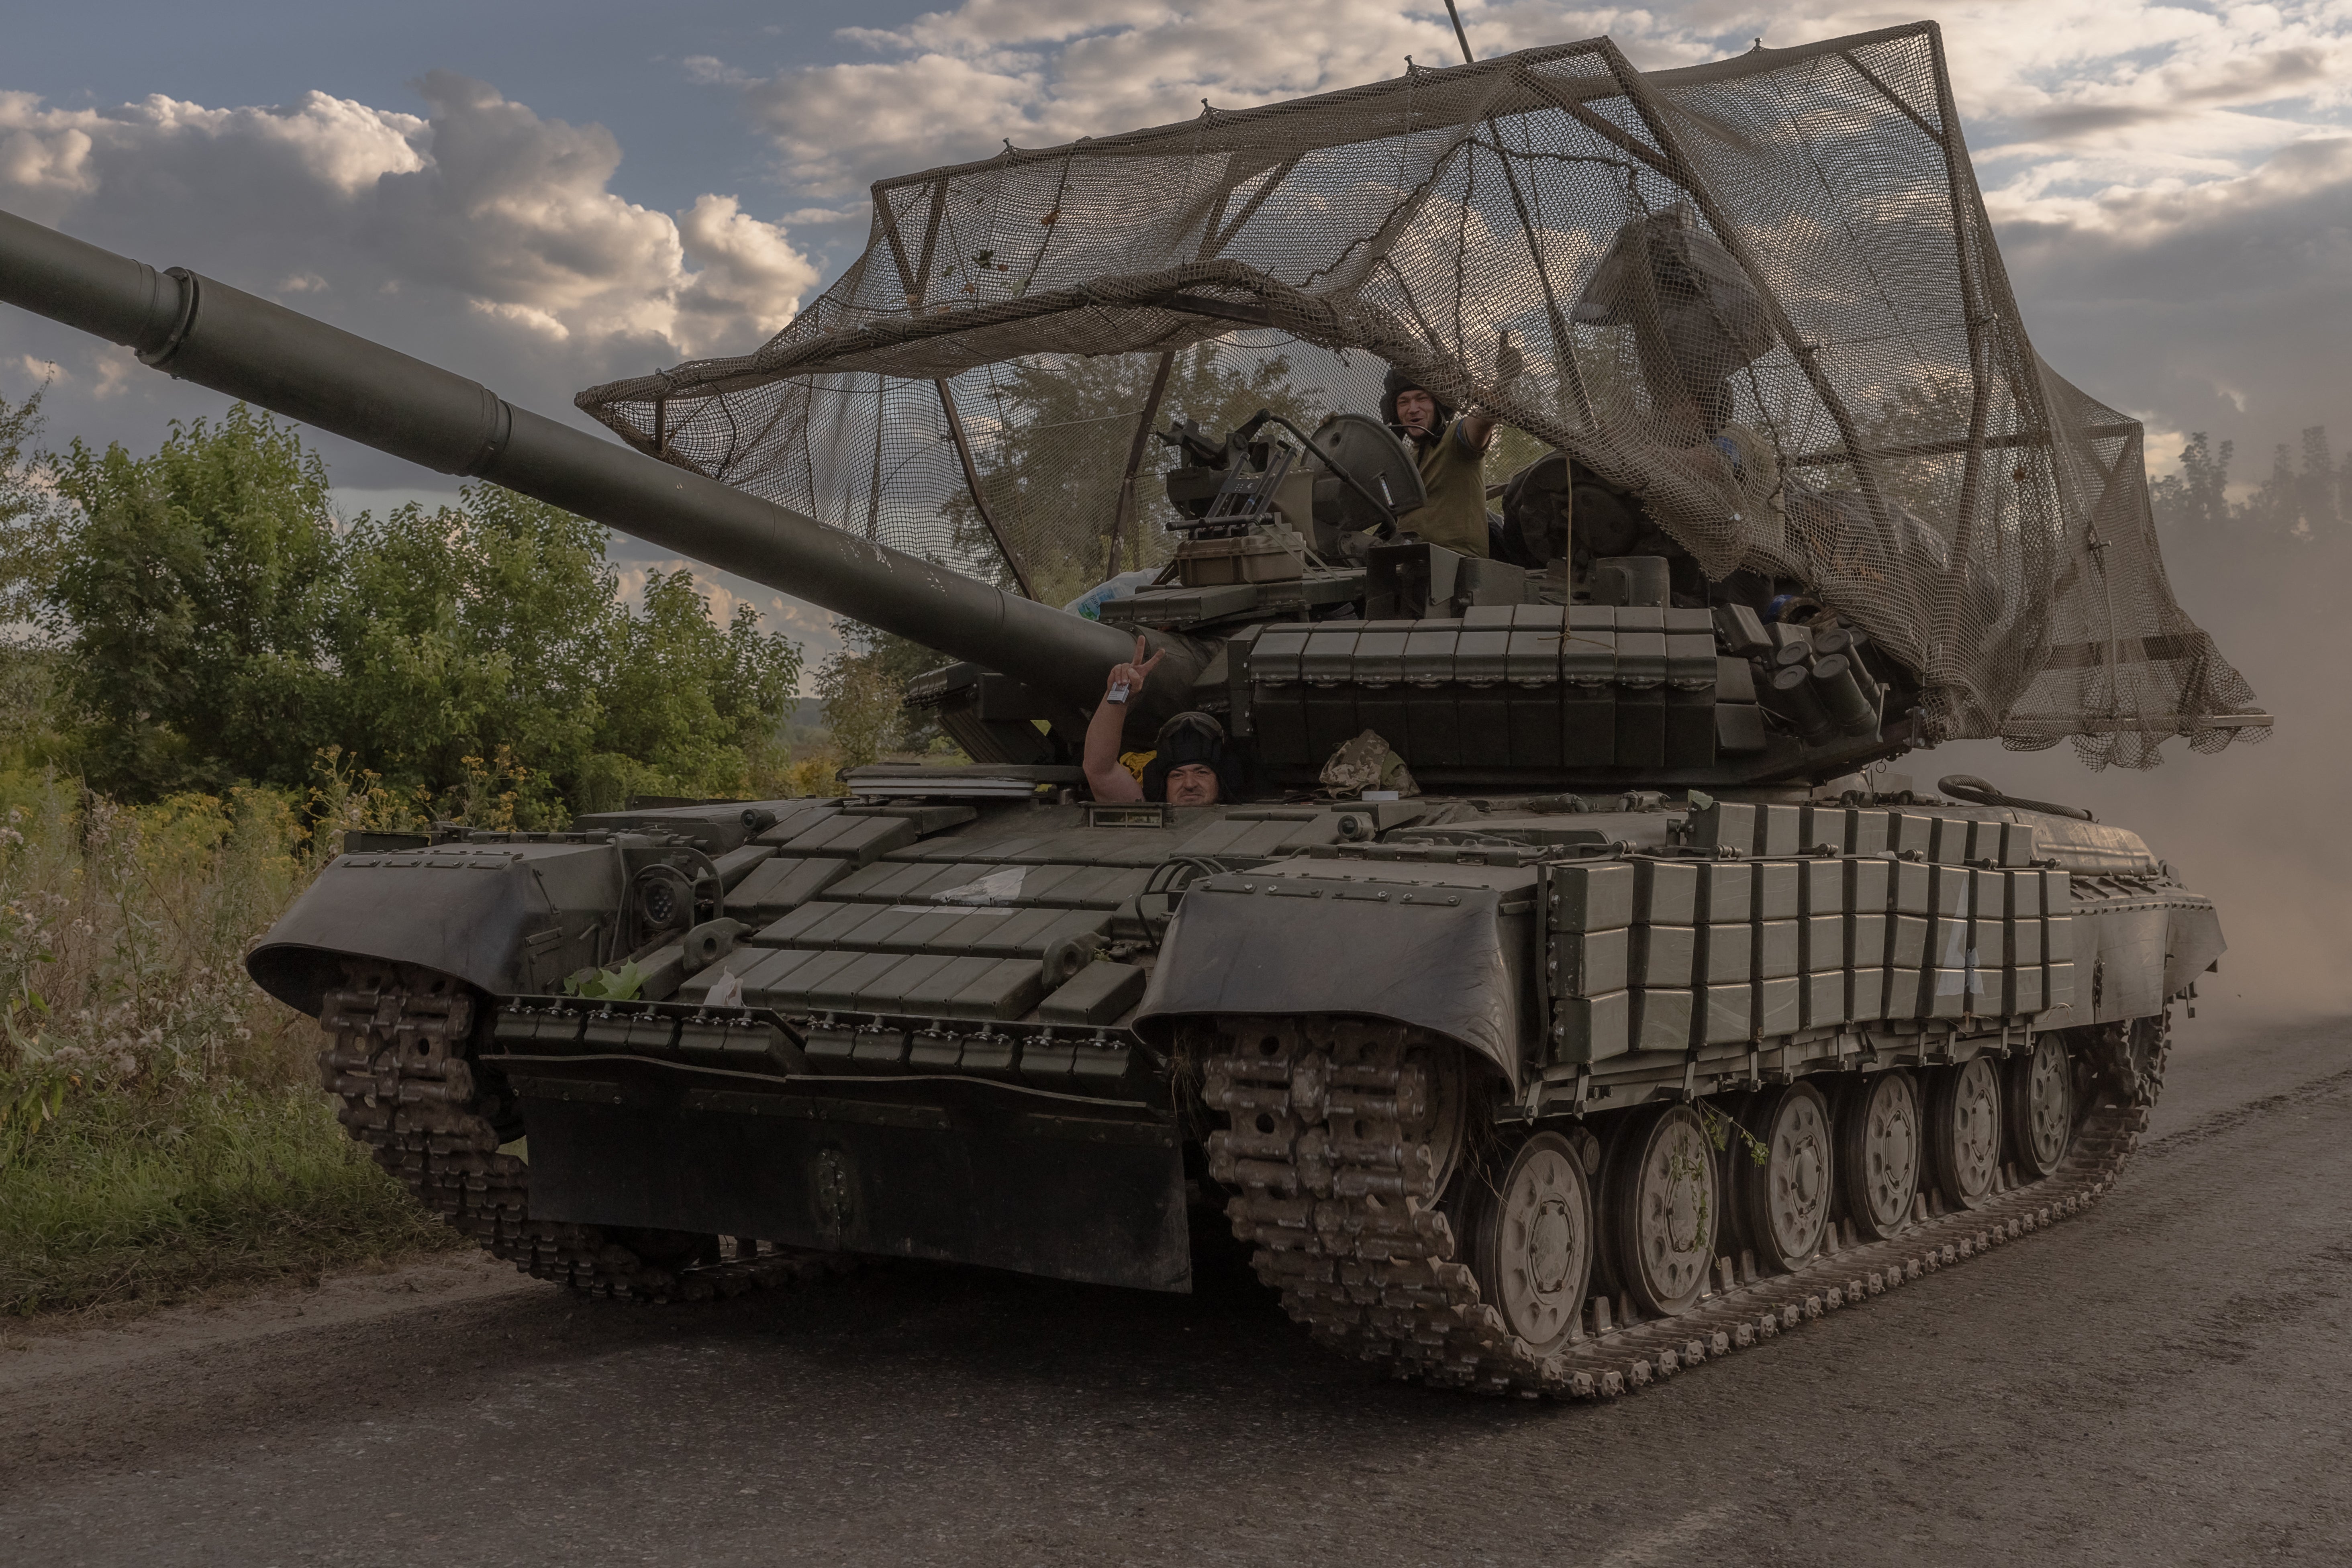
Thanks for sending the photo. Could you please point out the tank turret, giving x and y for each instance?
(1540, 667)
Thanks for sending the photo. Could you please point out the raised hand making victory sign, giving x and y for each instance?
(1190, 757)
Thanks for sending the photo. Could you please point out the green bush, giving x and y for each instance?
(208, 621)
(161, 1126)
(129, 1195)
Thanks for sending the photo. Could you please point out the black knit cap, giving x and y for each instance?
(1192, 737)
(1401, 381)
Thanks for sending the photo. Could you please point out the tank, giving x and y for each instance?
(1565, 996)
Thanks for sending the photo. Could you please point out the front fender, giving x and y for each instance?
(1444, 958)
(506, 918)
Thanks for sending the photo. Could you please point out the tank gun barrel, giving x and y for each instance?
(197, 330)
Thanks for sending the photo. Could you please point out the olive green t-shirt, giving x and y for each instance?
(1453, 472)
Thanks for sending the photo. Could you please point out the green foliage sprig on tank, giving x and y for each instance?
(205, 619)
(621, 984)
(1722, 1130)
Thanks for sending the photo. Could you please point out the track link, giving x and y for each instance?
(1326, 1144)
(397, 1057)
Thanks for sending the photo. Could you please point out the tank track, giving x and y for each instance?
(1338, 1199)
(397, 1057)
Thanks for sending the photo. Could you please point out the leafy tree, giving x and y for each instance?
(470, 659)
(862, 705)
(2300, 504)
(31, 672)
(493, 630)
(2318, 487)
(193, 594)
(29, 516)
(876, 666)
(1917, 414)
(467, 629)
(693, 700)
(2293, 505)
(2278, 501)
(2199, 493)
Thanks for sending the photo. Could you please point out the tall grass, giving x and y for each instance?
(161, 1125)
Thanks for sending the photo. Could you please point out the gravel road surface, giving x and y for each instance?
(2166, 1380)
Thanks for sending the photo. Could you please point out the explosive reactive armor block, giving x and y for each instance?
(1709, 951)
(1500, 687)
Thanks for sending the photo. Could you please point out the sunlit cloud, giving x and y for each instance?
(480, 232)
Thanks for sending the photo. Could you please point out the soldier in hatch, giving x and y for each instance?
(1451, 452)
(1192, 762)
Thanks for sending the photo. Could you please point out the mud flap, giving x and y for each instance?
(1440, 957)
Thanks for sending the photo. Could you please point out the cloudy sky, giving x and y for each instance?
(547, 195)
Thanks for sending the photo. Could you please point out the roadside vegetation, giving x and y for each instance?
(207, 677)
(163, 1129)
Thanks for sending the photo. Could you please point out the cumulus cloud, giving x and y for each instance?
(958, 84)
(2128, 151)
(750, 272)
(2225, 306)
(2087, 81)
(479, 234)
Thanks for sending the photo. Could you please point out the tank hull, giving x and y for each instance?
(985, 1034)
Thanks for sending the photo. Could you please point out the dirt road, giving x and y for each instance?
(2164, 1381)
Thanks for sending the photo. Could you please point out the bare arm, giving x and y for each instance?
(1105, 777)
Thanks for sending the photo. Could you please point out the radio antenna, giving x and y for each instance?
(1460, 36)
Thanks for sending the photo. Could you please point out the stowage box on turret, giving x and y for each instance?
(1554, 992)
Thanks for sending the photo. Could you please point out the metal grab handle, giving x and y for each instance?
(1968, 787)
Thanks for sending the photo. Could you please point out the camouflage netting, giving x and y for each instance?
(1787, 246)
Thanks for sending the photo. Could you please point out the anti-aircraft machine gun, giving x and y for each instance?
(1647, 1023)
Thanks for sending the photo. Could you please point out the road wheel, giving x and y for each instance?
(1531, 1242)
(1663, 1203)
(2040, 1092)
(1878, 1153)
(1782, 1200)
(1964, 1131)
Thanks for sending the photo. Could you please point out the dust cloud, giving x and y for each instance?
(2264, 829)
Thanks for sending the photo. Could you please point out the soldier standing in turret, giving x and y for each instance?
(1451, 452)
